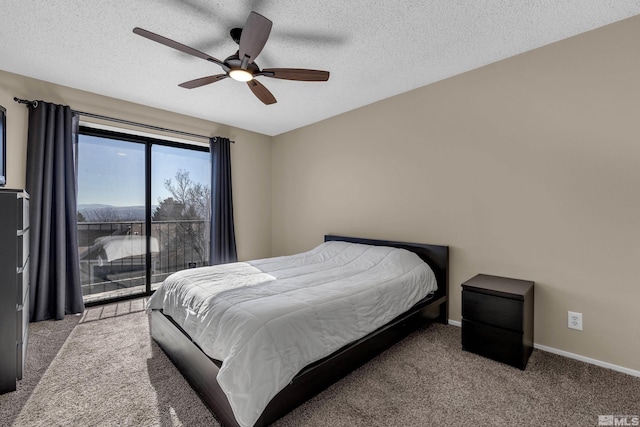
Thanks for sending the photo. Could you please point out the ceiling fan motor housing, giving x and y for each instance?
(234, 62)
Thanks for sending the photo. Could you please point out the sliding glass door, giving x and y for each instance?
(144, 211)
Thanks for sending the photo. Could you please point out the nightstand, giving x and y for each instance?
(497, 318)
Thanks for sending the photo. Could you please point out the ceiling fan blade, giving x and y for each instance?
(191, 84)
(254, 36)
(175, 45)
(299, 74)
(261, 92)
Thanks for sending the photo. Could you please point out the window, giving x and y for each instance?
(144, 208)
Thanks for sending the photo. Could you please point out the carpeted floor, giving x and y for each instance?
(102, 369)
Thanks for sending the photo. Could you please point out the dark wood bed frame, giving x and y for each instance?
(201, 371)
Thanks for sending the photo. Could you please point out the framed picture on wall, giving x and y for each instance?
(3, 146)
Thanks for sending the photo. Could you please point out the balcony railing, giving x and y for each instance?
(113, 254)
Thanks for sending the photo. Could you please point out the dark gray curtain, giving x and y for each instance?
(223, 236)
(51, 182)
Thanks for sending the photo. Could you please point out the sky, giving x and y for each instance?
(111, 172)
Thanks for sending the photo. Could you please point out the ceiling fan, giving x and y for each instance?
(241, 66)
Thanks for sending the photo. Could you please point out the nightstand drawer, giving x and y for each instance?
(23, 213)
(22, 320)
(23, 248)
(492, 310)
(22, 282)
(496, 343)
(21, 356)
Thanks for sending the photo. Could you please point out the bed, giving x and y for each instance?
(209, 377)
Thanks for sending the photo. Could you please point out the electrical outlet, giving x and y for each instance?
(575, 320)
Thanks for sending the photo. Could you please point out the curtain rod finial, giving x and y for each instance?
(216, 138)
(34, 104)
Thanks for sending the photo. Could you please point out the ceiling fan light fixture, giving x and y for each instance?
(240, 75)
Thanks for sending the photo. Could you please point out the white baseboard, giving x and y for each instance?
(574, 356)
(596, 362)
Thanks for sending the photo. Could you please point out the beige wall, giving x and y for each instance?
(250, 155)
(528, 168)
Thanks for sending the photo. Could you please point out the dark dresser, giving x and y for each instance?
(14, 286)
(497, 318)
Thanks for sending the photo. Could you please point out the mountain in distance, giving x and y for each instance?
(92, 207)
(108, 213)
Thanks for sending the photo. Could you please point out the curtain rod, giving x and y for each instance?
(34, 104)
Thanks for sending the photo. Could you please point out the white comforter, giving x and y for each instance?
(267, 319)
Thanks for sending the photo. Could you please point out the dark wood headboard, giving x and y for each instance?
(435, 255)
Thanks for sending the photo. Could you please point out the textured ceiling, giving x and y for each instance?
(373, 49)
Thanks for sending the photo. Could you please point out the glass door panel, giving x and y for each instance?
(180, 211)
(111, 217)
